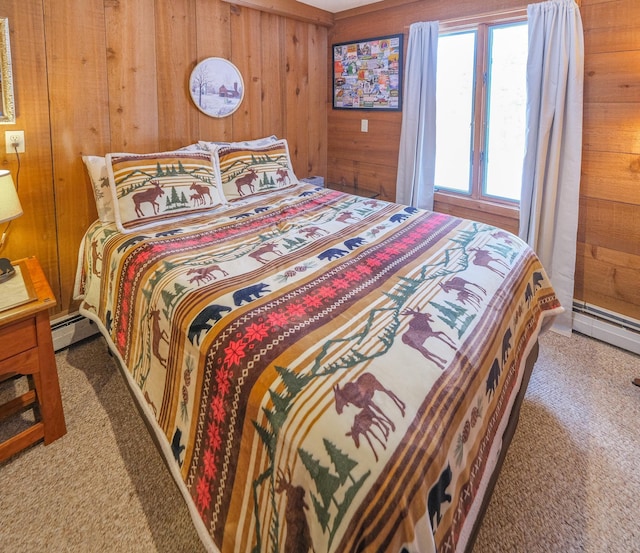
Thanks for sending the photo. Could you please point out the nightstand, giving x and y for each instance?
(353, 189)
(26, 348)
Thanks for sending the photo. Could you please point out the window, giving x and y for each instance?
(481, 111)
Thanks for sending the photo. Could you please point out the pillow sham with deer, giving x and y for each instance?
(154, 189)
(97, 171)
(245, 171)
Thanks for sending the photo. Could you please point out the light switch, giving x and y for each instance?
(364, 125)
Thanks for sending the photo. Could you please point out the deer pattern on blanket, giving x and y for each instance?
(327, 367)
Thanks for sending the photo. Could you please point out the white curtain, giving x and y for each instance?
(551, 170)
(417, 157)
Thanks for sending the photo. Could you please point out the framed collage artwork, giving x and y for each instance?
(367, 74)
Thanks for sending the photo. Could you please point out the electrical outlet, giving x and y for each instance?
(364, 125)
(14, 140)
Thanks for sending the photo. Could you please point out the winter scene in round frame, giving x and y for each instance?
(216, 87)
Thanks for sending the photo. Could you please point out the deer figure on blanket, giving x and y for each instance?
(246, 180)
(298, 538)
(259, 254)
(197, 199)
(483, 259)
(149, 195)
(202, 191)
(282, 176)
(464, 292)
(420, 330)
(359, 393)
(205, 274)
(157, 335)
(95, 257)
(364, 424)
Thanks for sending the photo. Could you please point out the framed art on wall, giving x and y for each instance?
(216, 87)
(367, 74)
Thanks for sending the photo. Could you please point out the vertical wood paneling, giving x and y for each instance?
(245, 36)
(132, 74)
(213, 31)
(79, 122)
(296, 91)
(272, 89)
(175, 49)
(94, 76)
(34, 232)
(317, 152)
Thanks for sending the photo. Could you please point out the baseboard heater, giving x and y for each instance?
(596, 322)
(608, 326)
(71, 329)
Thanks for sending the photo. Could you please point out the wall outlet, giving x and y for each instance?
(14, 140)
(364, 125)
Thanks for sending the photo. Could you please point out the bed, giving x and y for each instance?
(323, 372)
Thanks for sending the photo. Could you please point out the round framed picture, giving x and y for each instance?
(216, 87)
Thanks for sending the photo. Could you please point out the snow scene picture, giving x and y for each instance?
(216, 87)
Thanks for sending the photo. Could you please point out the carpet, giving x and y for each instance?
(570, 482)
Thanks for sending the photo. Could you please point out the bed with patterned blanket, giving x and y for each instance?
(324, 372)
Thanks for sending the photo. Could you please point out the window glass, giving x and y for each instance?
(454, 114)
(506, 111)
(481, 110)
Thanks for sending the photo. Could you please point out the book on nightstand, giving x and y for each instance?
(17, 290)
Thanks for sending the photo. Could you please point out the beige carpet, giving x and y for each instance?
(571, 481)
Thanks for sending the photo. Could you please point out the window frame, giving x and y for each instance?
(476, 200)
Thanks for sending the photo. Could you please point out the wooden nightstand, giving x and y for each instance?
(353, 189)
(26, 348)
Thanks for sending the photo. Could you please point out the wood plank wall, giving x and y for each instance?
(94, 76)
(608, 262)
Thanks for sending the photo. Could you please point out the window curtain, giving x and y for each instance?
(417, 157)
(551, 168)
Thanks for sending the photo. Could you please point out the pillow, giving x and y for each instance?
(247, 171)
(211, 146)
(191, 148)
(97, 169)
(154, 189)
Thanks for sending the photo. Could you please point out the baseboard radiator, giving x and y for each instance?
(613, 328)
(610, 327)
(71, 329)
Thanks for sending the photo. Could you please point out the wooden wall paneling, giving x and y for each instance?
(34, 233)
(273, 104)
(132, 75)
(612, 39)
(611, 127)
(245, 54)
(616, 285)
(601, 169)
(176, 48)
(613, 225)
(317, 129)
(213, 32)
(79, 122)
(610, 29)
(612, 77)
(369, 175)
(288, 8)
(297, 94)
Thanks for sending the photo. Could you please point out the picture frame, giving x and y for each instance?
(216, 87)
(7, 105)
(367, 74)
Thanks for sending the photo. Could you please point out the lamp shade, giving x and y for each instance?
(10, 207)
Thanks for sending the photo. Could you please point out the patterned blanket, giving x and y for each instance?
(326, 372)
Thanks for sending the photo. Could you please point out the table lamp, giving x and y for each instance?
(10, 208)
